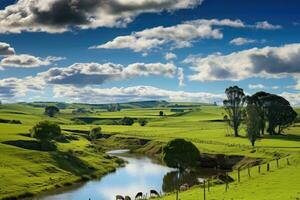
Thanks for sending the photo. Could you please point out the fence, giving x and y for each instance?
(241, 174)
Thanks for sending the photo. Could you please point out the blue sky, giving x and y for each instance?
(114, 52)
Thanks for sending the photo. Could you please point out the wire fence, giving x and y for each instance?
(239, 175)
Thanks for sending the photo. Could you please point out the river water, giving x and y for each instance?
(141, 174)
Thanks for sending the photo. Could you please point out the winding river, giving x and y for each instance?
(141, 174)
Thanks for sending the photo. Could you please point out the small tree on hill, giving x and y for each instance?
(127, 121)
(161, 113)
(233, 105)
(95, 133)
(45, 131)
(51, 111)
(180, 153)
(143, 122)
(253, 123)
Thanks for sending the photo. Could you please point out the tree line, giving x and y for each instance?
(261, 111)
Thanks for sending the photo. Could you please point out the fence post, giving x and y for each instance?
(226, 181)
(249, 172)
(277, 163)
(259, 169)
(239, 175)
(268, 167)
(208, 189)
(287, 161)
(204, 190)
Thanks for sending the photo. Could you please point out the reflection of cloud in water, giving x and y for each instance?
(145, 168)
(131, 190)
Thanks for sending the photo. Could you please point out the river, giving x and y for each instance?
(141, 174)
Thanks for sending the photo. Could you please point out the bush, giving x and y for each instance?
(161, 113)
(127, 121)
(51, 111)
(179, 153)
(45, 131)
(143, 122)
(95, 133)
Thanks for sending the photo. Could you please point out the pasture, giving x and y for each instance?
(25, 172)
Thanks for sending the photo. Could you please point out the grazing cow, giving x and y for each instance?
(139, 195)
(184, 187)
(119, 197)
(154, 193)
(127, 198)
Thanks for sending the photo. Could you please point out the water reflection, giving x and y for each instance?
(141, 174)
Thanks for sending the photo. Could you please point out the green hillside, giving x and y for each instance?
(24, 171)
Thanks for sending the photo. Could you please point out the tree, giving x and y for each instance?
(51, 111)
(95, 133)
(143, 122)
(179, 153)
(161, 113)
(233, 105)
(277, 111)
(127, 121)
(45, 131)
(253, 123)
(257, 100)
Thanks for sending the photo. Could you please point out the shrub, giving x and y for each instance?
(51, 111)
(179, 153)
(143, 122)
(45, 131)
(127, 121)
(95, 133)
(161, 113)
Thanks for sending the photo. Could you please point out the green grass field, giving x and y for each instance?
(28, 171)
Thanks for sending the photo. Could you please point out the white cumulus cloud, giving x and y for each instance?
(27, 61)
(270, 62)
(57, 16)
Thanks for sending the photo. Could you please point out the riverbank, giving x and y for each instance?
(26, 173)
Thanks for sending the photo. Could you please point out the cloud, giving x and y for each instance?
(14, 87)
(180, 74)
(267, 62)
(293, 98)
(170, 56)
(137, 93)
(243, 41)
(267, 26)
(275, 87)
(256, 86)
(96, 74)
(56, 16)
(6, 49)
(178, 36)
(27, 61)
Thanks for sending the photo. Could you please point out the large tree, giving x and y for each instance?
(233, 105)
(277, 111)
(182, 154)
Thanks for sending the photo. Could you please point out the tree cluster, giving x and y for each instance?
(262, 110)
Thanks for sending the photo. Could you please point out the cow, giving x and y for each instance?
(119, 197)
(139, 195)
(127, 198)
(154, 193)
(184, 187)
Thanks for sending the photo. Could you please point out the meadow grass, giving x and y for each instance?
(29, 171)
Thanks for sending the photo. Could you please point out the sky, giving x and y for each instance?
(99, 51)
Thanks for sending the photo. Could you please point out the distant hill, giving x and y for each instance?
(138, 104)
